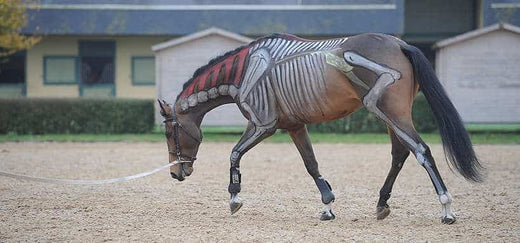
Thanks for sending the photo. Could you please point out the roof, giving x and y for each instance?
(494, 11)
(201, 34)
(477, 33)
(177, 18)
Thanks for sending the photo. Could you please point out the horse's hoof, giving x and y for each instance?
(235, 206)
(328, 215)
(382, 212)
(448, 219)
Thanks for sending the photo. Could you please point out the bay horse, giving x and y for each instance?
(285, 82)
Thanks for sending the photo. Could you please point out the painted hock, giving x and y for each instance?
(285, 82)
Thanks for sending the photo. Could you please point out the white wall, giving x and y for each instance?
(482, 77)
(176, 65)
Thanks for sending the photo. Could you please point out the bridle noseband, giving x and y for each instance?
(176, 124)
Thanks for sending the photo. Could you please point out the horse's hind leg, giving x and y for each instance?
(301, 139)
(399, 154)
(408, 136)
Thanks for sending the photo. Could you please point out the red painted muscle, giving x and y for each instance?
(199, 83)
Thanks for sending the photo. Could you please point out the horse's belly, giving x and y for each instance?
(308, 90)
(338, 100)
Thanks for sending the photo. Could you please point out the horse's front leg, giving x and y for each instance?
(251, 137)
(301, 139)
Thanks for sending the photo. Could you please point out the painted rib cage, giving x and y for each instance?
(295, 83)
(296, 77)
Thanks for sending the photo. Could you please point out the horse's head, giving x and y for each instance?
(183, 142)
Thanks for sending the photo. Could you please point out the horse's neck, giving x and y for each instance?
(218, 80)
(197, 114)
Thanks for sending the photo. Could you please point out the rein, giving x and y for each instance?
(176, 124)
(87, 182)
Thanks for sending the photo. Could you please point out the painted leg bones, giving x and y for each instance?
(387, 77)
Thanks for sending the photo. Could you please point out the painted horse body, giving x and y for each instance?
(284, 82)
(288, 81)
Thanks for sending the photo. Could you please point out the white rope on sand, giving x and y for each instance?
(86, 182)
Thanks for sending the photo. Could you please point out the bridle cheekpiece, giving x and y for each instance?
(176, 124)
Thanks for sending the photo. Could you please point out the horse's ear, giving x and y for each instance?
(163, 112)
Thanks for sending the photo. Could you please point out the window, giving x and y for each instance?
(12, 75)
(12, 69)
(143, 70)
(97, 62)
(60, 70)
(97, 70)
(97, 65)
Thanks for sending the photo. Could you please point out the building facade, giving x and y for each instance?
(94, 67)
(102, 48)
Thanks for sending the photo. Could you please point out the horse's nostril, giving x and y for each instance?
(174, 176)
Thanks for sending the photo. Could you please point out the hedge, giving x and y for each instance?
(44, 116)
(363, 121)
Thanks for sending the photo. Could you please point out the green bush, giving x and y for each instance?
(363, 121)
(44, 116)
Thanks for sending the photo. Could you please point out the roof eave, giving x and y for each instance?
(476, 33)
(200, 34)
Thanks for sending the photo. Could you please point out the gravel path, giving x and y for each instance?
(281, 202)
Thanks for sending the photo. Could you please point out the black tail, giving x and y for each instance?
(455, 139)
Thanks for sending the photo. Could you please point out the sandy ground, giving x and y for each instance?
(281, 202)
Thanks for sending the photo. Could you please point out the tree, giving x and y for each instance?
(13, 18)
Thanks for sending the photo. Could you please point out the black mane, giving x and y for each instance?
(218, 59)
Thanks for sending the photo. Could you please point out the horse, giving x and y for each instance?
(282, 81)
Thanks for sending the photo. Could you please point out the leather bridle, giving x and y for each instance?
(176, 125)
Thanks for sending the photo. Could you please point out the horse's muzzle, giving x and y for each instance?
(181, 171)
(179, 178)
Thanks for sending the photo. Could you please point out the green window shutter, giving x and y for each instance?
(143, 70)
(60, 70)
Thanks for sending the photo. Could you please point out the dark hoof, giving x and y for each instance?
(382, 212)
(235, 206)
(448, 220)
(327, 216)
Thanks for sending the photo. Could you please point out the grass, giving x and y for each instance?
(493, 127)
(216, 135)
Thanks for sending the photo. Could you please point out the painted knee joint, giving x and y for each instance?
(234, 158)
(325, 189)
(386, 77)
(370, 100)
(420, 152)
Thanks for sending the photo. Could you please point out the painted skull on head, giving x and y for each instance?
(182, 146)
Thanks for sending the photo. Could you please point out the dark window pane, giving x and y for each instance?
(97, 70)
(97, 48)
(12, 69)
